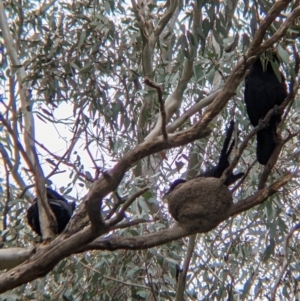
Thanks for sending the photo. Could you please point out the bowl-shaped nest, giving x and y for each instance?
(200, 204)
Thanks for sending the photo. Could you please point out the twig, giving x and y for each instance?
(16, 175)
(153, 286)
(130, 224)
(109, 278)
(115, 206)
(243, 178)
(192, 110)
(121, 213)
(62, 159)
(17, 143)
(6, 207)
(285, 260)
(273, 160)
(21, 195)
(282, 29)
(266, 22)
(90, 154)
(150, 83)
(240, 150)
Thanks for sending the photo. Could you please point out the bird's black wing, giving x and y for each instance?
(63, 212)
(33, 218)
(61, 208)
(53, 195)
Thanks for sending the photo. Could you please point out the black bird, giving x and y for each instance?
(61, 208)
(223, 163)
(263, 91)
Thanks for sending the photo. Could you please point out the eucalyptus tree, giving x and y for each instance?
(110, 102)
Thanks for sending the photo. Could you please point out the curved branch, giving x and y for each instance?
(282, 29)
(266, 22)
(165, 18)
(260, 196)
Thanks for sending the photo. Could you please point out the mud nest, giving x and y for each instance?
(200, 204)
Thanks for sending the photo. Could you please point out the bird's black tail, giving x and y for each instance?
(266, 142)
(223, 162)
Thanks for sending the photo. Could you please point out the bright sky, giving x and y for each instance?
(56, 138)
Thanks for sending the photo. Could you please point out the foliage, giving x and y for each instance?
(85, 64)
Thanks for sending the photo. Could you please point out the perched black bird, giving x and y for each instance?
(223, 163)
(60, 207)
(263, 91)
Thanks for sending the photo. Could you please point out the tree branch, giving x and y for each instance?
(182, 277)
(260, 196)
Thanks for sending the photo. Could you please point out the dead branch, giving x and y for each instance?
(150, 83)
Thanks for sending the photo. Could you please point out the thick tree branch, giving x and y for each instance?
(11, 257)
(266, 22)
